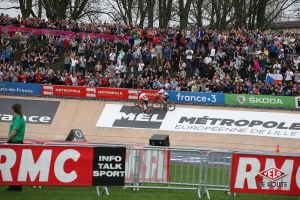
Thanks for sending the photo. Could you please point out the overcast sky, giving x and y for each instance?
(10, 12)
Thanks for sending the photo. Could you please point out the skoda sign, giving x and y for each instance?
(270, 100)
(241, 99)
(260, 101)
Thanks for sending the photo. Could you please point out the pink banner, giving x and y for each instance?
(12, 29)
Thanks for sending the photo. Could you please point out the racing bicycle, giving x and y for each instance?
(138, 108)
(158, 103)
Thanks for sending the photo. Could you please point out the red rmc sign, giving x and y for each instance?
(267, 174)
(45, 165)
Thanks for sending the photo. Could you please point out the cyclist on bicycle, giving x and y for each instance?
(143, 100)
(163, 96)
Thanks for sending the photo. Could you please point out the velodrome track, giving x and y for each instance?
(84, 114)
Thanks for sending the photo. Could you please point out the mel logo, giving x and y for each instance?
(272, 173)
(126, 118)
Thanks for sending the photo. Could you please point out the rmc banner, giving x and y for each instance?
(62, 165)
(260, 101)
(196, 98)
(265, 174)
(20, 88)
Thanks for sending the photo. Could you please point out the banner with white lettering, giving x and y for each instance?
(34, 111)
(61, 165)
(109, 166)
(199, 121)
(265, 174)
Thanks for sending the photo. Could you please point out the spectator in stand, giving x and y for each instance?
(167, 53)
(74, 63)
(189, 58)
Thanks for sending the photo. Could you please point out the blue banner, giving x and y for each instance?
(196, 97)
(20, 88)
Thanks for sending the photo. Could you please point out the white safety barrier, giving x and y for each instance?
(164, 168)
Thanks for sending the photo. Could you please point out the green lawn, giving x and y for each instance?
(86, 193)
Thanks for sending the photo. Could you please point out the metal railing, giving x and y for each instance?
(179, 168)
(217, 172)
(165, 168)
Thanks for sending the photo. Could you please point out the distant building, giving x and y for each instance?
(286, 26)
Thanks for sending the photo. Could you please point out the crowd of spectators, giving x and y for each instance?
(193, 59)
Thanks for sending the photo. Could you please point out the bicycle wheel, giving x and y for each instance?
(171, 106)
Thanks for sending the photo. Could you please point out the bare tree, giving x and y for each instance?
(164, 12)
(219, 14)
(142, 9)
(275, 8)
(123, 10)
(56, 9)
(77, 10)
(94, 11)
(196, 11)
(25, 6)
(184, 9)
(62, 9)
(40, 9)
(150, 8)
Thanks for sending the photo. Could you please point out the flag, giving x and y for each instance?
(274, 78)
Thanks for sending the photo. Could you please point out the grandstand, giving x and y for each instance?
(236, 94)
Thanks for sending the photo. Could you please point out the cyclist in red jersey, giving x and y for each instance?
(143, 100)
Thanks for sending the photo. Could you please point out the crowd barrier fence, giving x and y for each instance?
(217, 171)
(148, 167)
(166, 168)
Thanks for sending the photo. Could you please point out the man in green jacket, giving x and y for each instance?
(16, 134)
